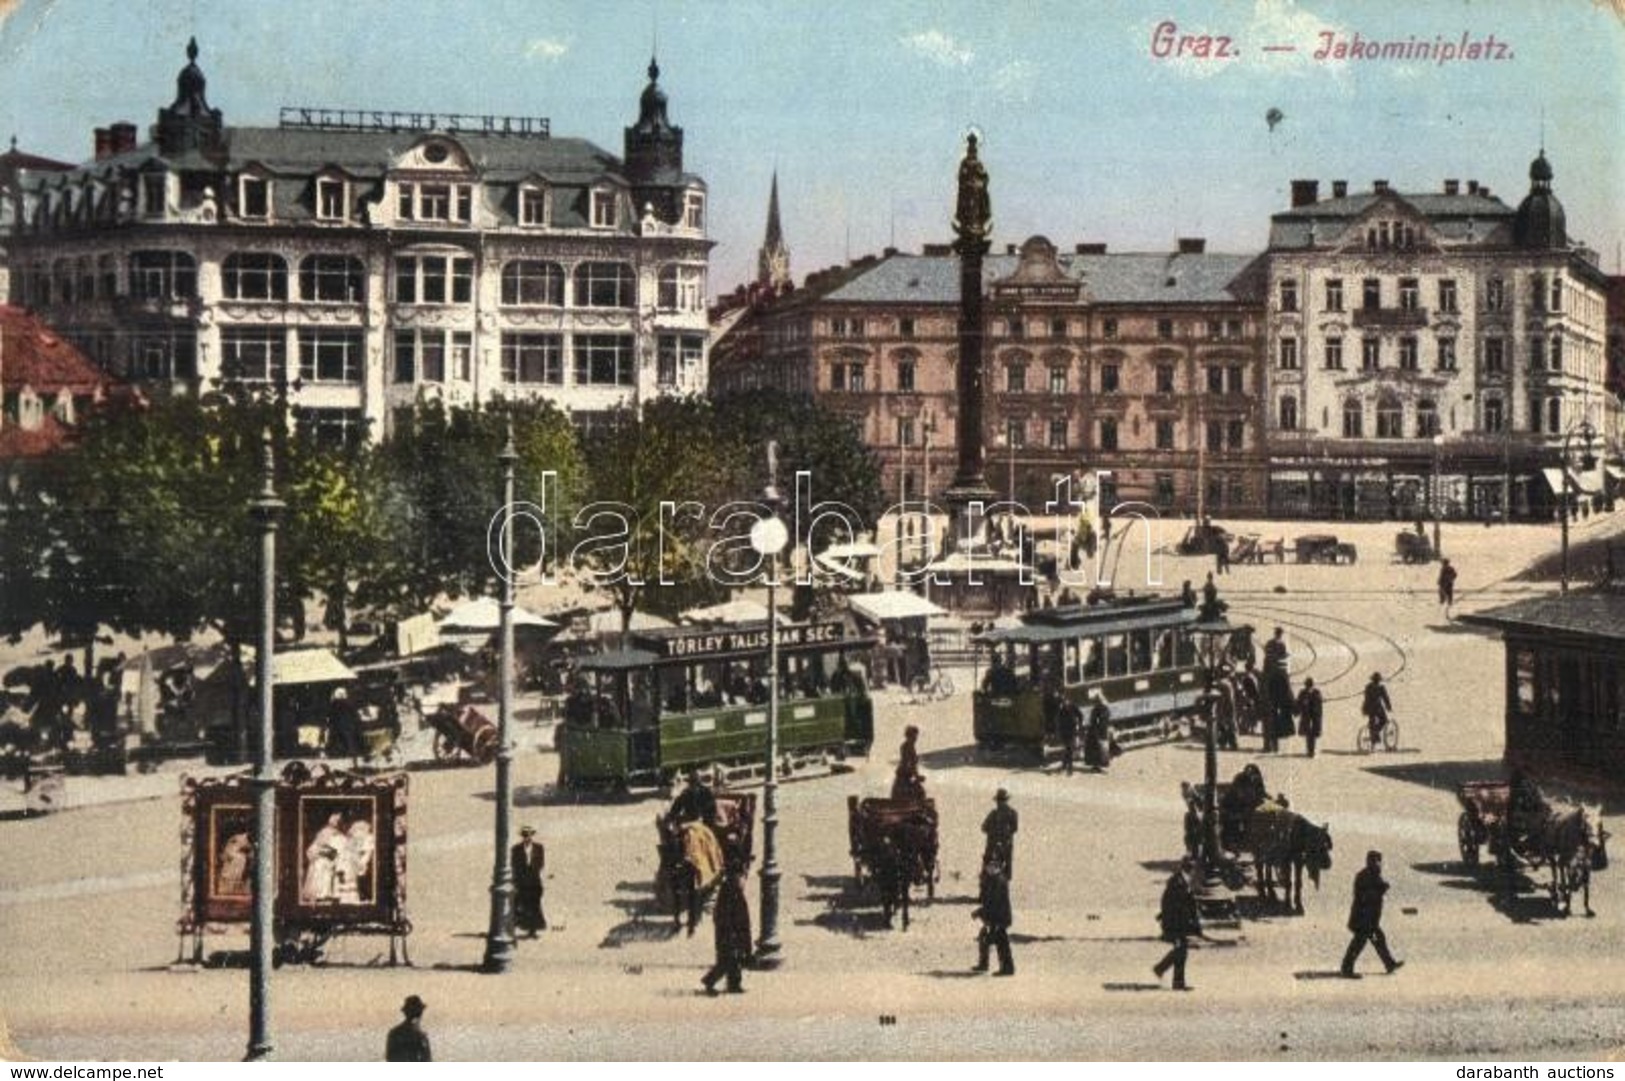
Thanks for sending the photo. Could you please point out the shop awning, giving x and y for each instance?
(484, 614)
(728, 612)
(892, 604)
(302, 666)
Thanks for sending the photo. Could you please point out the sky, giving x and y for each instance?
(862, 105)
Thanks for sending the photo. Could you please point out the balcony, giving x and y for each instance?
(1391, 318)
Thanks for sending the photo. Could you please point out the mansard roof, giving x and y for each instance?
(1470, 216)
(1112, 278)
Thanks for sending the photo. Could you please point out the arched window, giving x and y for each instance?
(162, 275)
(605, 285)
(533, 281)
(332, 279)
(253, 275)
(1390, 418)
(1427, 418)
(1289, 413)
(1353, 419)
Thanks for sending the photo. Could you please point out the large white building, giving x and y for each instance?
(1431, 334)
(357, 260)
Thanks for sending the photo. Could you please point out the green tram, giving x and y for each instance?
(677, 699)
(1138, 652)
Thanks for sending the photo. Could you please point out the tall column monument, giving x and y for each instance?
(972, 225)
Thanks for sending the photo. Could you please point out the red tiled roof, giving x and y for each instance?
(31, 354)
(16, 442)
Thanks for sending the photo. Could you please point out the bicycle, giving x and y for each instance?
(1389, 737)
(931, 687)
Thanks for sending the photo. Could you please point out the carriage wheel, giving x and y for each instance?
(444, 749)
(1390, 736)
(485, 746)
(1362, 739)
(1467, 838)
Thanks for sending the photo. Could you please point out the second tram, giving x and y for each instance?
(1139, 653)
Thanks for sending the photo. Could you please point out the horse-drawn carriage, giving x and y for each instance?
(894, 845)
(1281, 843)
(693, 855)
(1519, 825)
(463, 733)
(1324, 548)
(1410, 547)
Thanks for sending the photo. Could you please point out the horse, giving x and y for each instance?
(691, 861)
(896, 843)
(1284, 844)
(1566, 836)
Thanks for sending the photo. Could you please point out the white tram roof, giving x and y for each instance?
(892, 604)
(1081, 621)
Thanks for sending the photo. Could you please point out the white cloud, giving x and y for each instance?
(546, 48)
(939, 47)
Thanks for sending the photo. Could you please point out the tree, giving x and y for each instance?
(441, 486)
(657, 478)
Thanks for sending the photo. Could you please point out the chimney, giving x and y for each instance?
(1092, 248)
(104, 143)
(123, 137)
(1484, 190)
(1305, 192)
(1009, 249)
(1452, 187)
(1340, 189)
(889, 252)
(1192, 245)
(1379, 186)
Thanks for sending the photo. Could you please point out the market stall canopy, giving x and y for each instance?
(853, 550)
(727, 612)
(484, 614)
(892, 604)
(416, 635)
(302, 666)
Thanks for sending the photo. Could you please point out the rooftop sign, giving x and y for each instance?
(298, 116)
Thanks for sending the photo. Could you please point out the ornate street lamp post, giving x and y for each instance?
(266, 509)
(1588, 461)
(1438, 495)
(769, 537)
(499, 937)
(1212, 895)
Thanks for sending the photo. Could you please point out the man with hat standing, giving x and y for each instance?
(528, 859)
(407, 1041)
(1000, 827)
(993, 909)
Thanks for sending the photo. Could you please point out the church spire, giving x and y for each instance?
(773, 261)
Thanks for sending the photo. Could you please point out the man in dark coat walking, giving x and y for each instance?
(1000, 826)
(1365, 917)
(407, 1042)
(1180, 920)
(993, 909)
(528, 859)
(1447, 586)
(733, 939)
(1097, 738)
(343, 727)
(1311, 709)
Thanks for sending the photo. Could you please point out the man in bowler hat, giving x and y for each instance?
(407, 1041)
(528, 859)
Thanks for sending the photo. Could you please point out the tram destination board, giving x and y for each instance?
(746, 640)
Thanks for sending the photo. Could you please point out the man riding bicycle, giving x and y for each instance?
(1375, 706)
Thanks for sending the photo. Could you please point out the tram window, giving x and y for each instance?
(1074, 662)
(1116, 655)
(708, 693)
(1165, 650)
(674, 689)
(644, 705)
(1093, 659)
(1185, 650)
(1139, 651)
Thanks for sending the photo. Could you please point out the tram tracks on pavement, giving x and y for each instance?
(1282, 617)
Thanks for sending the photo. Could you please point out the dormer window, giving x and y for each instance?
(437, 202)
(331, 203)
(694, 210)
(254, 197)
(533, 206)
(604, 204)
(154, 194)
